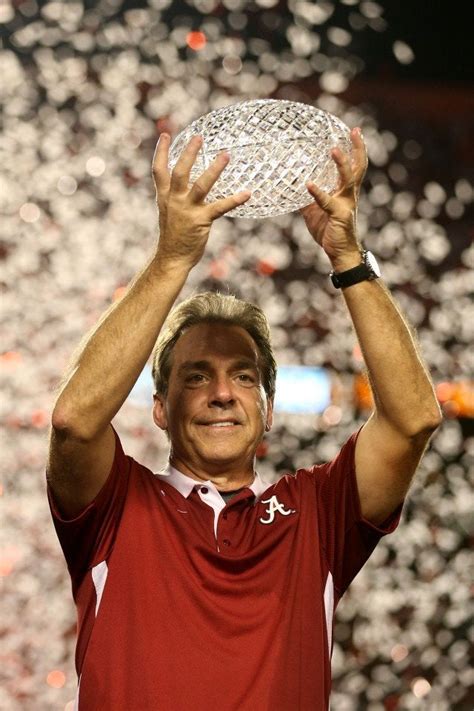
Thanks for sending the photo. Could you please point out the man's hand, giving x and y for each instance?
(331, 219)
(185, 220)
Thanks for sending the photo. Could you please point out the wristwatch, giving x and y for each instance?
(367, 270)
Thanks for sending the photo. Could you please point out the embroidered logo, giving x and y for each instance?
(274, 507)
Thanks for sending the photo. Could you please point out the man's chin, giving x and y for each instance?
(221, 452)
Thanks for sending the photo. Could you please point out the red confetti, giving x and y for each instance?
(39, 418)
(119, 292)
(218, 269)
(11, 357)
(265, 268)
(56, 679)
(196, 40)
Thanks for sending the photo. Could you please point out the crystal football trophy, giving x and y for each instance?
(275, 148)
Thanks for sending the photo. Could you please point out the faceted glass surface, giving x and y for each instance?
(275, 148)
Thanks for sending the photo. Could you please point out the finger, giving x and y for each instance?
(182, 169)
(220, 207)
(205, 181)
(359, 154)
(343, 168)
(160, 164)
(324, 200)
(160, 156)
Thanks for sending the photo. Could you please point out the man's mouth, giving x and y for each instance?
(224, 424)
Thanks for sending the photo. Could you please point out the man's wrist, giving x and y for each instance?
(348, 260)
(366, 270)
(167, 265)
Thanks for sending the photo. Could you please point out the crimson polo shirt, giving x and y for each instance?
(185, 602)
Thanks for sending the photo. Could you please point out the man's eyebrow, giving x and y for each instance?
(194, 364)
(206, 365)
(245, 364)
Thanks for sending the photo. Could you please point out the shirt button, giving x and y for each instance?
(204, 489)
(226, 542)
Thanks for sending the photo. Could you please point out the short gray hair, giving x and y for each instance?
(209, 307)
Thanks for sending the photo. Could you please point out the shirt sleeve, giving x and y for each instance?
(348, 539)
(88, 538)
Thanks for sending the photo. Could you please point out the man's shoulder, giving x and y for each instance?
(141, 474)
(299, 478)
(306, 473)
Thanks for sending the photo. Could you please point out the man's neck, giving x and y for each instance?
(225, 481)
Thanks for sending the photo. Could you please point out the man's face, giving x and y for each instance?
(215, 377)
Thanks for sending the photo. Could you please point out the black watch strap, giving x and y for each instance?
(362, 272)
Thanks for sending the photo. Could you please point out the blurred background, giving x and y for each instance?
(86, 88)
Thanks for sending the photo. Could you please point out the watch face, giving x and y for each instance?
(372, 263)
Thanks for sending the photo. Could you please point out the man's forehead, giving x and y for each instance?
(225, 341)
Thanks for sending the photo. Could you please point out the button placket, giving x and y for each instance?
(225, 530)
(213, 499)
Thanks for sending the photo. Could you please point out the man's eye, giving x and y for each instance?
(194, 378)
(246, 377)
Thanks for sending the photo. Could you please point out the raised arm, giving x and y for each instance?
(108, 362)
(406, 412)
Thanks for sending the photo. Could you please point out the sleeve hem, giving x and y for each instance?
(52, 503)
(393, 519)
(387, 526)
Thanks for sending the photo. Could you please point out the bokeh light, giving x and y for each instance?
(86, 90)
(56, 679)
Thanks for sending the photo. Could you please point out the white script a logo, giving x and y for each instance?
(274, 506)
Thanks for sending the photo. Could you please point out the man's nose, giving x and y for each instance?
(221, 390)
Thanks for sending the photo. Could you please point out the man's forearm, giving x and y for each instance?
(105, 368)
(402, 388)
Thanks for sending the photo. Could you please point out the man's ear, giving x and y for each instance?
(269, 421)
(159, 411)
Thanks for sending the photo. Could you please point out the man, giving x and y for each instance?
(203, 587)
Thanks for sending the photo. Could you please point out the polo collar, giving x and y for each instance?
(185, 484)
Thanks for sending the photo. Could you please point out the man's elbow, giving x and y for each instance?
(427, 422)
(417, 425)
(66, 426)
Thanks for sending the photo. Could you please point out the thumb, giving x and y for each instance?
(220, 207)
(324, 200)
